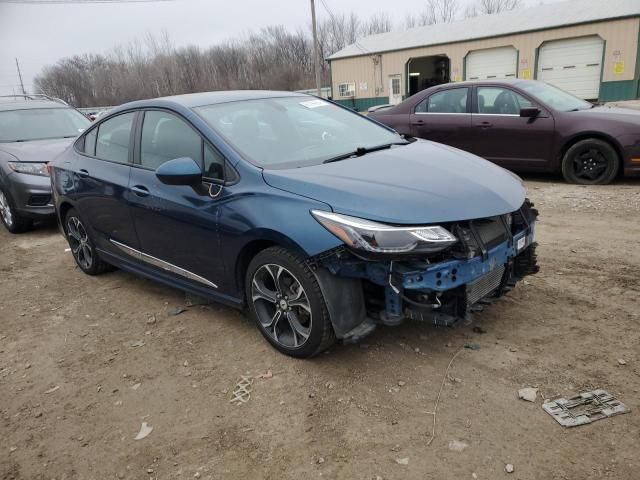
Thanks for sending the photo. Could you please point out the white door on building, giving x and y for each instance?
(501, 62)
(575, 65)
(395, 89)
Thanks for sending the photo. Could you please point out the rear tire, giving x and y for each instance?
(13, 221)
(82, 246)
(590, 162)
(286, 302)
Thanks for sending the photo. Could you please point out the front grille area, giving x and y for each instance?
(39, 200)
(480, 235)
(483, 286)
(492, 231)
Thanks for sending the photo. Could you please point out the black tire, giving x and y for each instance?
(590, 162)
(13, 221)
(312, 319)
(82, 246)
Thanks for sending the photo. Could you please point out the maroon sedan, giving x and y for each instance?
(524, 125)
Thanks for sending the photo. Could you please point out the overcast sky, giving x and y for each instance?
(42, 34)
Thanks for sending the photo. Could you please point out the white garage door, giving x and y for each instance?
(574, 65)
(491, 63)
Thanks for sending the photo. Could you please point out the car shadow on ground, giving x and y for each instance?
(553, 178)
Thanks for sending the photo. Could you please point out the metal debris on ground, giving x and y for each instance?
(472, 346)
(267, 374)
(529, 394)
(584, 408)
(177, 311)
(242, 391)
(145, 430)
(194, 300)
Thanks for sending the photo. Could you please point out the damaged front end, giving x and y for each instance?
(457, 267)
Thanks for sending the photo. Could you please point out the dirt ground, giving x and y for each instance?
(76, 381)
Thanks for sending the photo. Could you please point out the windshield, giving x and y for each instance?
(40, 123)
(554, 97)
(293, 132)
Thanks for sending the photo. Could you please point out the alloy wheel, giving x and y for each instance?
(79, 242)
(5, 210)
(282, 306)
(590, 164)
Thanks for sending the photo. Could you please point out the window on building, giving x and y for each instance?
(347, 89)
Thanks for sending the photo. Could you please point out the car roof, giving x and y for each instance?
(487, 81)
(11, 103)
(192, 100)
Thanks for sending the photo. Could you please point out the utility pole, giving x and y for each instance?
(316, 50)
(20, 76)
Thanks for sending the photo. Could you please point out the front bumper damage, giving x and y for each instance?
(492, 256)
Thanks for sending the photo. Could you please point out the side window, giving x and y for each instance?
(213, 164)
(112, 142)
(500, 101)
(447, 101)
(166, 137)
(90, 142)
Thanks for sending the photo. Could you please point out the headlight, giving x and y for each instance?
(380, 238)
(29, 168)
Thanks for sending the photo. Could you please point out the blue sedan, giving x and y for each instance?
(321, 222)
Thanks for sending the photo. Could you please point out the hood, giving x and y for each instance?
(36, 150)
(611, 113)
(419, 183)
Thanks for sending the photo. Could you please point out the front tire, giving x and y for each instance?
(13, 222)
(286, 302)
(590, 162)
(82, 246)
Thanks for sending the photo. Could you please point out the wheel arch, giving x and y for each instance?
(266, 239)
(587, 136)
(63, 209)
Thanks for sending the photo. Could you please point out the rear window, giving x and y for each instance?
(112, 142)
(41, 123)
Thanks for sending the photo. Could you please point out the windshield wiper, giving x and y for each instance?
(358, 152)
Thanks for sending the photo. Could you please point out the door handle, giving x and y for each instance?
(140, 191)
(485, 125)
(83, 173)
(418, 122)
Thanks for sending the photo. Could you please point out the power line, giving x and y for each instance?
(333, 18)
(86, 2)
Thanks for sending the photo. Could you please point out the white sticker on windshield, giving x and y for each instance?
(315, 103)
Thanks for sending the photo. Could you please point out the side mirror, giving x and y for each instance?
(530, 112)
(180, 171)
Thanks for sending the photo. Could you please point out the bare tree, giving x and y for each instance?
(490, 7)
(441, 11)
(377, 23)
(436, 11)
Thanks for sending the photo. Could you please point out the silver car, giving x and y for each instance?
(34, 129)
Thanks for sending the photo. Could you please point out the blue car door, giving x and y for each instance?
(101, 181)
(176, 225)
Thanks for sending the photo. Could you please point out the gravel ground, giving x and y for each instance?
(85, 361)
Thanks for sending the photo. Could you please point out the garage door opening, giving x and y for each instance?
(501, 62)
(425, 72)
(573, 64)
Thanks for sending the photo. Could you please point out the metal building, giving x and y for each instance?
(590, 48)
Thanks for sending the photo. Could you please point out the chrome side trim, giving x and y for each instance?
(442, 113)
(156, 262)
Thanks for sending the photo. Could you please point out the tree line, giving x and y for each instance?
(273, 58)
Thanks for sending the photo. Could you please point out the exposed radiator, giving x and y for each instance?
(484, 285)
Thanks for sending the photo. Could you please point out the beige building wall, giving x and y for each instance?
(371, 73)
